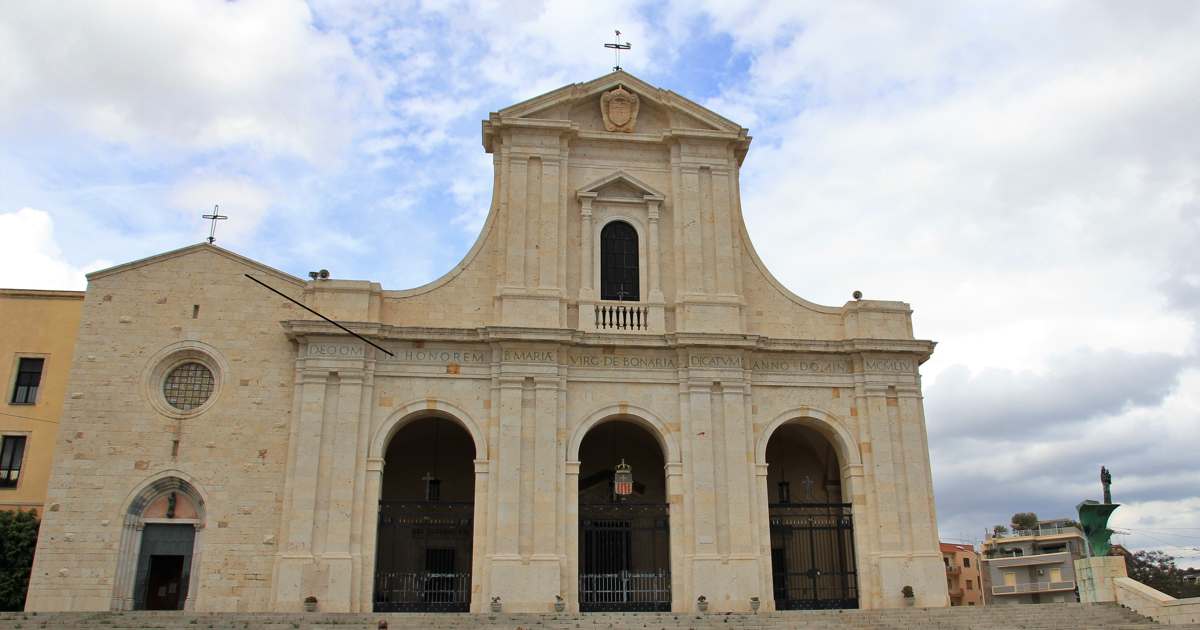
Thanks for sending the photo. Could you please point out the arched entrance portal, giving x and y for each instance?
(624, 523)
(160, 547)
(426, 510)
(812, 529)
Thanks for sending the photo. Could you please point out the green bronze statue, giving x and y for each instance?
(1094, 517)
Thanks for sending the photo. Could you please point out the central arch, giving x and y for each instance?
(623, 542)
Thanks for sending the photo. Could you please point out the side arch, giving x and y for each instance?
(133, 521)
(821, 421)
(425, 408)
(629, 413)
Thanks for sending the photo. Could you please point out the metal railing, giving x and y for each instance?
(625, 591)
(953, 569)
(1033, 587)
(620, 316)
(422, 591)
(1041, 531)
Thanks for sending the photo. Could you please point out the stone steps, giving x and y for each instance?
(1016, 617)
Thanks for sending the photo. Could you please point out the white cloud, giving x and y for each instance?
(188, 74)
(30, 258)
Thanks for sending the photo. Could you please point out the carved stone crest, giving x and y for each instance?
(619, 108)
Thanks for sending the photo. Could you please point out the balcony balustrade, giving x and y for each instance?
(1033, 587)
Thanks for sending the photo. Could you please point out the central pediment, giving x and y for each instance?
(616, 103)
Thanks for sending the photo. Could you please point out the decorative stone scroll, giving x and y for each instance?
(619, 108)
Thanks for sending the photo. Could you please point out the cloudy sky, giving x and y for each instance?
(1026, 175)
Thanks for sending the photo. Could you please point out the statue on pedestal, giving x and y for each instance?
(1094, 517)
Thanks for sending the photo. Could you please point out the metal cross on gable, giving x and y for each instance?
(214, 217)
(617, 48)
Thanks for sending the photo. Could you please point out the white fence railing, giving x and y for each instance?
(1033, 587)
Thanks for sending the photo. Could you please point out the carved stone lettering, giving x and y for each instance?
(888, 365)
(803, 365)
(621, 362)
(431, 355)
(714, 361)
(530, 356)
(334, 350)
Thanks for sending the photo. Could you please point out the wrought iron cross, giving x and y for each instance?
(617, 48)
(214, 217)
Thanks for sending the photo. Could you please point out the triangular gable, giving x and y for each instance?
(575, 92)
(621, 177)
(190, 249)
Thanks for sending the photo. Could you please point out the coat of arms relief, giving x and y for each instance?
(619, 108)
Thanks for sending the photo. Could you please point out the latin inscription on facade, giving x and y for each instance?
(339, 350)
(888, 365)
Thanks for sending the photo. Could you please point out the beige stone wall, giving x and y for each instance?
(512, 345)
(112, 440)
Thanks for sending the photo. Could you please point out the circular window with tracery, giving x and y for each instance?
(188, 386)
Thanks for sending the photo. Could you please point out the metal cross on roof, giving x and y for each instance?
(618, 47)
(214, 217)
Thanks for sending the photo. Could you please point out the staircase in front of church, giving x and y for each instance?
(1013, 617)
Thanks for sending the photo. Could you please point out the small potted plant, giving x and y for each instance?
(496, 603)
(754, 604)
(909, 596)
(702, 603)
(310, 604)
(559, 604)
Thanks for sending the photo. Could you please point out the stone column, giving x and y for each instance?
(370, 532)
(300, 503)
(479, 576)
(586, 252)
(508, 470)
(762, 493)
(676, 515)
(655, 290)
(571, 533)
(335, 554)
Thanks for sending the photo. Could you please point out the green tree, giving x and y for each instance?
(18, 539)
(999, 530)
(1024, 520)
(1157, 570)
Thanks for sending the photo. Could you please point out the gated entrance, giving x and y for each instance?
(423, 543)
(624, 557)
(424, 557)
(812, 556)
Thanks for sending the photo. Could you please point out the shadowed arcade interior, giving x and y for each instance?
(624, 533)
(426, 508)
(812, 529)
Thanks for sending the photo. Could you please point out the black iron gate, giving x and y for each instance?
(423, 562)
(624, 557)
(812, 556)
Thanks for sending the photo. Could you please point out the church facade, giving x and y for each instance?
(609, 404)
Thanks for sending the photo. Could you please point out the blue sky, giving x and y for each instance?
(1026, 176)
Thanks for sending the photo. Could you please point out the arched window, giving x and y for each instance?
(619, 262)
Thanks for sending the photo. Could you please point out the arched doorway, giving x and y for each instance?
(426, 513)
(624, 521)
(160, 547)
(811, 525)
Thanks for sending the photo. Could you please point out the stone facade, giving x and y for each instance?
(515, 346)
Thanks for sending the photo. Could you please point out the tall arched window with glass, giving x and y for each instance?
(619, 262)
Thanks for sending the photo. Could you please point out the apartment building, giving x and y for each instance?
(963, 579)
(1031, 566)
